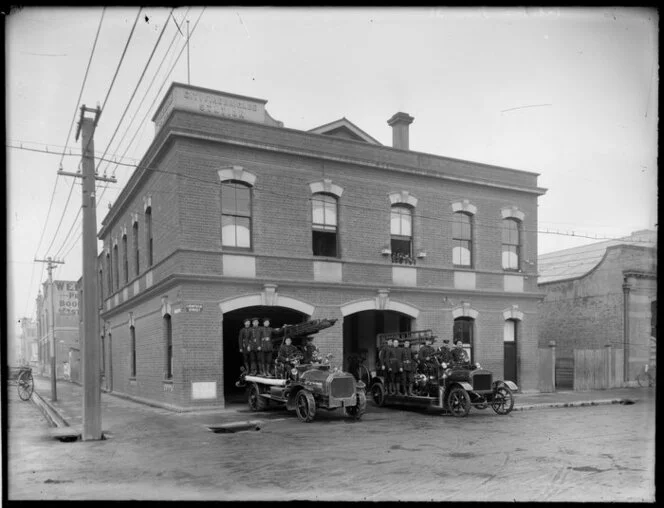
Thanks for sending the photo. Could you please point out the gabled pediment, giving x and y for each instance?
(344, 128)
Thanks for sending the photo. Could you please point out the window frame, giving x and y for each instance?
(325, 228)
(148, 235)
(469, 346)
(457, 239)
(397, 256)
(137, 250)
(514, 248)
(237, 214)
(132, 360)
(125, 257)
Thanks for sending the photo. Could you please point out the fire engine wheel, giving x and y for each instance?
(458, 401)
(305, 406)
(503, 401)
(378, 393)
(359, 409)
(26, 385)
(256, 402)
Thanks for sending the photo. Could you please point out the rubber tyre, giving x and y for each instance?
(256, 402)
(458, 402)
(25, 385)
(305, 406)
(356, 412)
(503, 401)
(378, 393)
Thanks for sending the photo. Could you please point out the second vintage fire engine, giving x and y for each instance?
(451, 387)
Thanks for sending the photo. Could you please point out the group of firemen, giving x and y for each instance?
(400, 363)
(255, 345)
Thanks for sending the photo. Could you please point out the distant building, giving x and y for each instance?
(65, 308)
(231, 215)
(601, 294)
(29, 343)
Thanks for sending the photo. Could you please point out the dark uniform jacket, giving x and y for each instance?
(309, 350)
(243, 338)
(255, 337)
(408, 359)
(444, 355)
(382, 356)
(424, 352)
(286, 350)
(394, 358)
(266, 338)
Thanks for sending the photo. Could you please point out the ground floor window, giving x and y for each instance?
(464, 332)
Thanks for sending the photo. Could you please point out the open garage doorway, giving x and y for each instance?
(233, 322)
(361, 328)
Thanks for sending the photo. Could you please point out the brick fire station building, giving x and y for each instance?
(230, 215)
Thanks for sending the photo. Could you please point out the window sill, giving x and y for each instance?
(229, 249)
(464, 267)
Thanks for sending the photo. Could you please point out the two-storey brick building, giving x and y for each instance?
(230, 215)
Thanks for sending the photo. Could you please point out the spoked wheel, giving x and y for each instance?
(359, 409)
(305, 406)
(256, 402)
(378, 393)
(26, 385)
(503, 401)
(458, 402)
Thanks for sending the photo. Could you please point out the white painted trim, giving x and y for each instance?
(513, 314)
(464, 206)
(512, 211)
(372, 304)
(240, 302)
(237, 173)
(462, 311)
(403, 197)
(327, 186)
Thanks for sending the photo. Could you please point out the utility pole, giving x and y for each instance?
(51, 262)
(91, 365)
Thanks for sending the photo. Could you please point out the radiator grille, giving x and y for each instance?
(482, 381)
(342, 387)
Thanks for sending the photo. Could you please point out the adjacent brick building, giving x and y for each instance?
(598, 295)
(230, 214)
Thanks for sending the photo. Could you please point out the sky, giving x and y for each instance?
(569, 93)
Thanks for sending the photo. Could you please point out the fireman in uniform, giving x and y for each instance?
(243, 343)
(427, 358)
(254, 345)
(382, 358)
(394, 366)
(444, 354)
(408, 368)
(286, 350)
(309, 350)
(266, 348)
(459, 355)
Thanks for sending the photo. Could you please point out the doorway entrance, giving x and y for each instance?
(361, 328)
(233, 322)
(509, 342)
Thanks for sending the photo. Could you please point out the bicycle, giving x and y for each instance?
(647, 376)
(357, 368)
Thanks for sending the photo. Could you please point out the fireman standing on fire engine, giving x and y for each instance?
(408, 367)
(394, 366)
(444, 354)
(382, 357)
(426, 357)
(266, 345)
(254, 345)
(286, 350)
(459, 355)
(243, 344)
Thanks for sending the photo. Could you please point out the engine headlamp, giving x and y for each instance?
(431, 377)
(444, 365)
(477, 365)
(294, 372)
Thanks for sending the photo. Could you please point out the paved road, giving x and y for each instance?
(595, 453)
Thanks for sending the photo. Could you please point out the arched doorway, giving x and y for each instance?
(360, 330)
(232, 323)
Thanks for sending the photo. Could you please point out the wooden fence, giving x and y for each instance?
(597, 369)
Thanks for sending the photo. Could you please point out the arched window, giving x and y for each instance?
(168, 335)
(235, 214)
(464, 332)
(125, 258)
(324, 224)
(116, 270)
(109, 279)
(137, 257)
(511, 244)
(103, 355)
(462, 239)
(148, 233)
(401, 229)
(101, 287)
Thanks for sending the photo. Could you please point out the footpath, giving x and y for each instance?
(66, 418)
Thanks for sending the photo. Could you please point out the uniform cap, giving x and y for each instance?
(266, 319)
(255, 319)
(446, 341)
(247, 320)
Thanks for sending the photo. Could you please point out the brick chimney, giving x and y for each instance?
(399, 123)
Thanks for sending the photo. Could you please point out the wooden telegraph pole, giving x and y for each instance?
(91, 364)
(51, 262)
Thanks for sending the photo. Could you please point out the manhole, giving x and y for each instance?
(230, 428)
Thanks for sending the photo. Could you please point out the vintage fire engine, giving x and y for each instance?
(305, 388)
(453, 388)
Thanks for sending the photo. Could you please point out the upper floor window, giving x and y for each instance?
(148, 233)
(101, 287)
(109, 278)
(136, 249)
(132, 358)
(168, 332)
(511, 244)
(462, 240)
(324, 224)
(401, 229)
(125, 258)
(235, 214)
